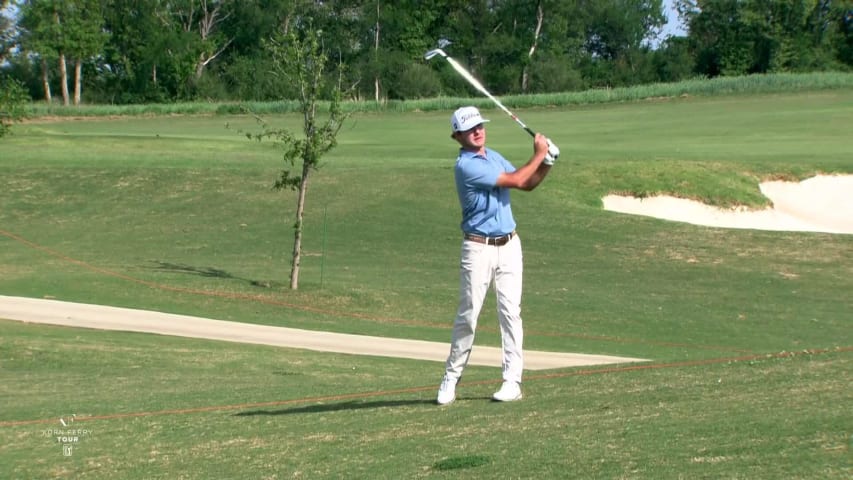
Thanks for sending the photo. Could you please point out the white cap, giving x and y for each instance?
(466, 118)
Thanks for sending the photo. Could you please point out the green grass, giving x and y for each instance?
(173, 408)
(177, 214)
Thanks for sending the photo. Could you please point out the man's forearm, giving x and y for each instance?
(528, 176)
(538, 176)
(532, 174)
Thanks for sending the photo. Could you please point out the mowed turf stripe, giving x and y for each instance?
(406, 391)
(271, 301)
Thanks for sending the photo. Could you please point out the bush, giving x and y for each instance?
(252, 79)
(672, 61)
(414, 81)
(12, 100)
(554, 74)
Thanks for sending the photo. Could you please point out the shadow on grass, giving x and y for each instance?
(210, 272)
(336, 407)
(462, 462)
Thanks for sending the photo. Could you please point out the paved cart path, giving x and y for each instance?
(82, 315)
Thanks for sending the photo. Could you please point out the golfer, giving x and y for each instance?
(491, 248)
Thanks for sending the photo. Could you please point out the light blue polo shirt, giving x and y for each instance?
(485, 207)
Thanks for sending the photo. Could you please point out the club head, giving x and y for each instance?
(428, 55)
(443, 42)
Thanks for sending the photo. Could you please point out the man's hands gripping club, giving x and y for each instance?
(553, 153)
(540, 142)
(529, 176)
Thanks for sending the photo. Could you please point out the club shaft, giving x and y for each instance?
(479, 86)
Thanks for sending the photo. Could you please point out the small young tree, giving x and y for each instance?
(299, 57)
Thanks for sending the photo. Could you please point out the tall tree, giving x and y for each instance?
(203, 18)
(42, 36)
(562, 52)
(832, 27)
(300, 57)
(617, 35)
(843, 40)
(137, 59)
(522, 31)
(65, 30)
(735, 37)
(84, 36)
(7, 32)
(398, 34)
(537, 32)
(159, 49)
(377, 35)
(245, 66)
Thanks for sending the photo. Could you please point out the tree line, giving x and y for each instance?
(160, 51)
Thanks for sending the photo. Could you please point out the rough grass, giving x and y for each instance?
(699, 87)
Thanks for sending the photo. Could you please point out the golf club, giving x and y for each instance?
(553, 151)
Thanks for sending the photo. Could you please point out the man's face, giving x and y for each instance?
(473, 138)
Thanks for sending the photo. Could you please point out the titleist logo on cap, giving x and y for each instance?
(466, 118)
(469, 116)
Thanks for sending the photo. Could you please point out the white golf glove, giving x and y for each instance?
(553, 153)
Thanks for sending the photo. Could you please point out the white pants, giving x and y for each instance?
(480, 266)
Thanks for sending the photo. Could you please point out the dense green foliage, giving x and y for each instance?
(735, 37)
(139, 52)
(12, 103)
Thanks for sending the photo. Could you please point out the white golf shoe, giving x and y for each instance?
(447, 391)
(509, 392)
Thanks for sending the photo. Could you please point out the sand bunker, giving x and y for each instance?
(818, 204)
